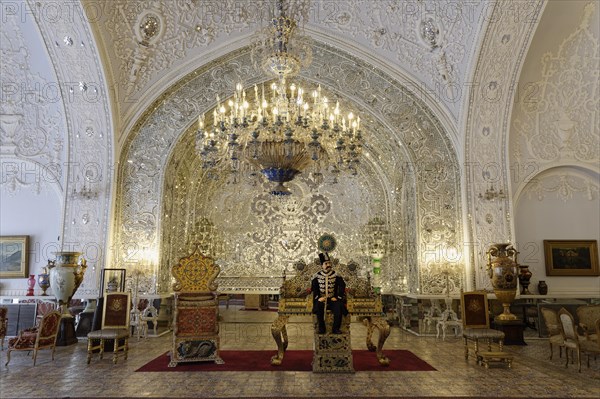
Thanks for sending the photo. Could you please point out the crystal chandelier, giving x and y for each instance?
(284, 129)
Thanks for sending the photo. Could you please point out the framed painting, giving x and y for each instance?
(571, 257)
(113, 280)
(14, 256)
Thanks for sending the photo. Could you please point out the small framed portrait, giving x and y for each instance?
(14, 256)
(571, 257)
(113, 280)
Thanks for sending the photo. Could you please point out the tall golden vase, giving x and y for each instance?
(502, 269)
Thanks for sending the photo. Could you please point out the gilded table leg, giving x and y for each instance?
(279, 333)
(384, 332)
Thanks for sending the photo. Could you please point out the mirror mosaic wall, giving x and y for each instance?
(407, 182)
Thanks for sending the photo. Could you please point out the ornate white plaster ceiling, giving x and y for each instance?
(427, 44)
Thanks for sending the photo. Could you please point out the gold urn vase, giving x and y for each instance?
(502, 268)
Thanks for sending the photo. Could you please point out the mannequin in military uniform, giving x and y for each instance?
(329, 290)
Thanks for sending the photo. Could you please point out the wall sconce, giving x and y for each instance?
(491, 194)
(84, 193)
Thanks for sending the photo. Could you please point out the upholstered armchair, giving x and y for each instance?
(196, 310)
(553, 326)
(115, 326)
(587, 316)
(578, 344)
(37, 338)
(3, 324)
(476, 322)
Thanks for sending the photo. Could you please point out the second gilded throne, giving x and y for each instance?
(196, 311)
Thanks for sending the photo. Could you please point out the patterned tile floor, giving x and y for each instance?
(532, 375)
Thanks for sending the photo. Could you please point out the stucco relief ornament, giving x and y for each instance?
(149, 28)
(430, 33)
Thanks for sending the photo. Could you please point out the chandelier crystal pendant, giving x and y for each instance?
(284, 129)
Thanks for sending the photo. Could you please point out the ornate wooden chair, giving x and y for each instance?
(115, 326)
(476, 323)
(553, 326)
(196, 310)
(574, 341)
(3, 324)
(36, 338)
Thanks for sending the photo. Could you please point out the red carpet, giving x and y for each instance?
(294, 360)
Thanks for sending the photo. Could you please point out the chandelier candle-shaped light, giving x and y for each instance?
(283, 129)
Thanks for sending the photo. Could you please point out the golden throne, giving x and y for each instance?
(362, 302)
(196, 310)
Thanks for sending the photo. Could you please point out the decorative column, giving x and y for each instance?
(376, 244)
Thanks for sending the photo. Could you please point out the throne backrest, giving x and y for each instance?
(195, 273)
(299, 285)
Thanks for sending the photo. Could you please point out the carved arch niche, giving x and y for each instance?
(412, 175)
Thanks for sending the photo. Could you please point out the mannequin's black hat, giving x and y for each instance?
(324, 257)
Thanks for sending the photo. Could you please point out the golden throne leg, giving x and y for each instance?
(384, 332)
(279, 333)
(370, 328)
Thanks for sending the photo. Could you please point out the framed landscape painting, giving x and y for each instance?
(14, 256)
(571, 257)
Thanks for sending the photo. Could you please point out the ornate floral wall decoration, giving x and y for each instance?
(564, 186)
(31, 118)
(88, 134)
(558, 123)
(158, 201)
(487, 120)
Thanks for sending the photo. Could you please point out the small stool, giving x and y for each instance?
(485, 358)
